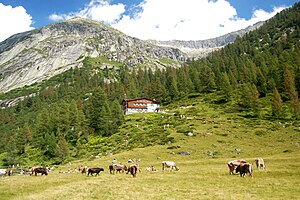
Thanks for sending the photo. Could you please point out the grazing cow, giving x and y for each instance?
(169, 164)
(133, 170)
(117, 168)
(39, 170)
(95, 171)
(120, 168)
(260, 164)
(232, 165)
(9, 172)
(244, 168)
(3, 172)
(84, 169)
(111, 169)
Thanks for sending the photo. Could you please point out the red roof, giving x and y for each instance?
(136, 99)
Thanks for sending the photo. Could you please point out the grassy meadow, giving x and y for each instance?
(219, 136)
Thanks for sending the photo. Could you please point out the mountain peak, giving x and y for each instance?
(39, 54)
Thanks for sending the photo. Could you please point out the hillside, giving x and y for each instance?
(40, 54)
(218, 136)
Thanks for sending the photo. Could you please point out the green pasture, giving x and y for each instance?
(218, 136)
(200, 177)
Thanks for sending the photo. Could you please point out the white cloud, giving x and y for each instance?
(13, 20)
(187, 19)
(171, 19)
(56, 17)
(99, 10)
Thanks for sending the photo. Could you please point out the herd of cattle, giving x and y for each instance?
(237, 166)
(242, 167)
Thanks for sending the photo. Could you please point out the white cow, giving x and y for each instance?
(260, 164)
(3, 172)
(169, 164)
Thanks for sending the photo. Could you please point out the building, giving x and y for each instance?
(140, 105)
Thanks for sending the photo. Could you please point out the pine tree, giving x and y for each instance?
(99, 113)
(171, 83)
(60, 114)
(42, 127)
(27, 135)
(226, 87)
(62, 149)
(249, 98)
(261, 83)
(233, 81)
(207, 78)
(289, 82)
(72, 134)
(117, 115)
(182, 82)
(277, 104)
(25, 138)
(194, 77)
(157, 89)
(49, 145)
(255, 100)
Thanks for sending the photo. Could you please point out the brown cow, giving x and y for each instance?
(111, 169)
(95, 171)
(84, 169)
(260, 164)
(39, 170)
(117, 168)
(9, 172)
(232, 165)
(244, 168)
(133, 169)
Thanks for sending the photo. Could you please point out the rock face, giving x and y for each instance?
(200, 48)
(36, 55)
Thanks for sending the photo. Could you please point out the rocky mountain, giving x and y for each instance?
(200, 48)
(36, 55)
(33, 56)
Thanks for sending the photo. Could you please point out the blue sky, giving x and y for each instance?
(144, 19)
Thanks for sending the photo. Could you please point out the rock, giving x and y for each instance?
(36, 55)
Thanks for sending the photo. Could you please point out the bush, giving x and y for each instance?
(183, 129)
(260, 133)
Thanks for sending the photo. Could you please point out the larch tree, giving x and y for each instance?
(277, 104)
(289, 83)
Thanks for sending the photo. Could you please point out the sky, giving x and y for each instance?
(144, 19)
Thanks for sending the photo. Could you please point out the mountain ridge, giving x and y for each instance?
(39, 54)
(200, 48)
(36, 55)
